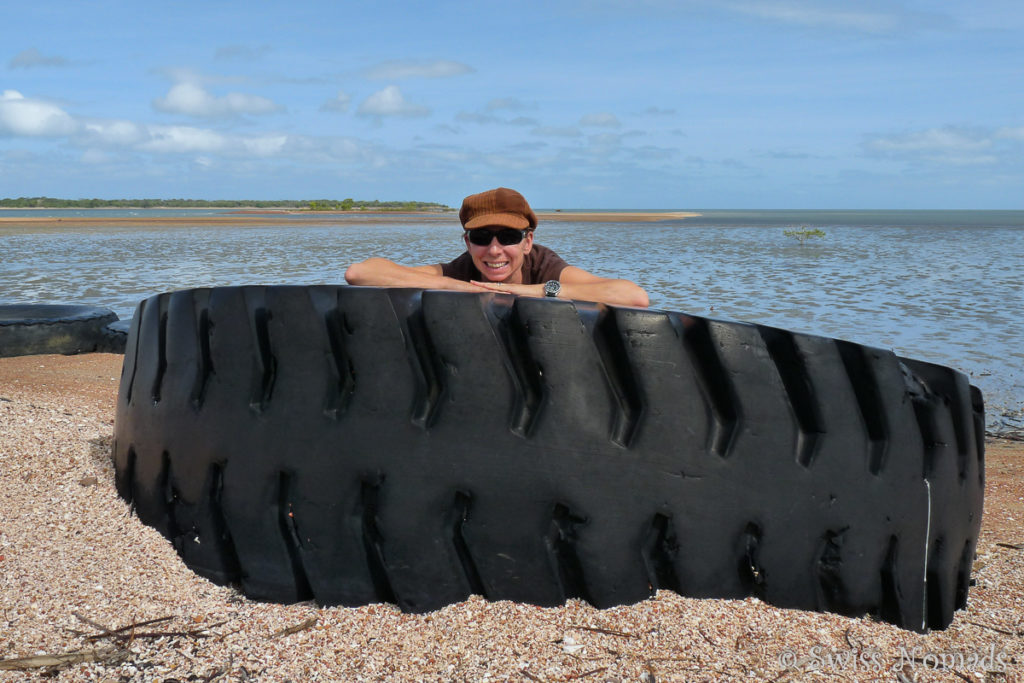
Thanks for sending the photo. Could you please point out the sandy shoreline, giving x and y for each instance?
(318, 218)
(73, 559)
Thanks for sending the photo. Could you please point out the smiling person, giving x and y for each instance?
(500, 256)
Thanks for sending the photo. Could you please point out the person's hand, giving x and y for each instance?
(509, 288)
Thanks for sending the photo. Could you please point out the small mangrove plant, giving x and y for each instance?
(804, 233)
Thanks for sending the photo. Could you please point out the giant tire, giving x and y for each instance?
(31, 329)
(358, 445)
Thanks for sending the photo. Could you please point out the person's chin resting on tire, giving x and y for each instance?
(500, 256)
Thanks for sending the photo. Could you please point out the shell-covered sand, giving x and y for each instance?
(76, 566)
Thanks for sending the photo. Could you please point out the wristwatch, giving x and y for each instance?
(552, 288)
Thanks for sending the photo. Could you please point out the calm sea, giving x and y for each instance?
(941, 286)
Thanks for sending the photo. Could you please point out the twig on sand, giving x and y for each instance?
(135, 635)
(587, 673)
(106, 632)
(128, 633)
(993, 628)
(57, 661)
(707, 638)
(95, 624)
(532, 677)
(123, 636)
(289, 630)
(605, 631)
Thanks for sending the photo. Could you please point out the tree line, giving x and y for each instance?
(348, 204)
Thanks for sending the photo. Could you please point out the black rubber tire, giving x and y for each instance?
(30, 329)
(358, 445)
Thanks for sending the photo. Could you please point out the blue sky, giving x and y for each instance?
(604, 104)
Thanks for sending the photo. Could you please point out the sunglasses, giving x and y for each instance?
(482, 237)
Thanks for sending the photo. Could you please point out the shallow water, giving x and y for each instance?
(938, 286)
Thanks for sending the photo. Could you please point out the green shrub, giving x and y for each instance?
(804, 234)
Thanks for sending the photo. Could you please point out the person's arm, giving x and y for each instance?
(580, 284)
(380, 272)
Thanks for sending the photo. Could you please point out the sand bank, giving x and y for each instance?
(74, 560)
(614, 216)
(272, 218)
(310, 218)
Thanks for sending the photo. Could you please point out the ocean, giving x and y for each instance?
(941, 286)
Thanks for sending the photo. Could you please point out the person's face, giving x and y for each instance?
(498, 262)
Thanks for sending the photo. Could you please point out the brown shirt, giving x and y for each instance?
(539, 266)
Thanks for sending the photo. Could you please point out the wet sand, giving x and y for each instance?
(273, 217)
(74, 561)
(614, 216)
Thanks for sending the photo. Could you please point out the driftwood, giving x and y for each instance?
(128, 633)
(123, 636)
(288, 630)
(63, 659)
(996, 629)
(605, 631)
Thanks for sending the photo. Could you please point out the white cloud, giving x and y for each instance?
(486, 117)
(401, 69)
(181, 74)
(1011, 133)
(21, 116)
(178, 139)
(390, 102)
(191, 99)
(34, 118)
(264, 145)
(332, 150)
(116, 132)
(603, 119)
(339, 103)
(932, 139)
(191, 140)
(946, 145)
(26, 59)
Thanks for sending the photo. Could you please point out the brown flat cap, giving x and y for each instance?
(502, 206)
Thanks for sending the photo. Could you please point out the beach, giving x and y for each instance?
(275, 217)
(76, 566)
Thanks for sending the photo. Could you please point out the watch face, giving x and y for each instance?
(552, 288)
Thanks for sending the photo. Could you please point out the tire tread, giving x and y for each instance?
(360, 445)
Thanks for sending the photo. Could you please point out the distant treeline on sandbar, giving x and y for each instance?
(301, 204)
